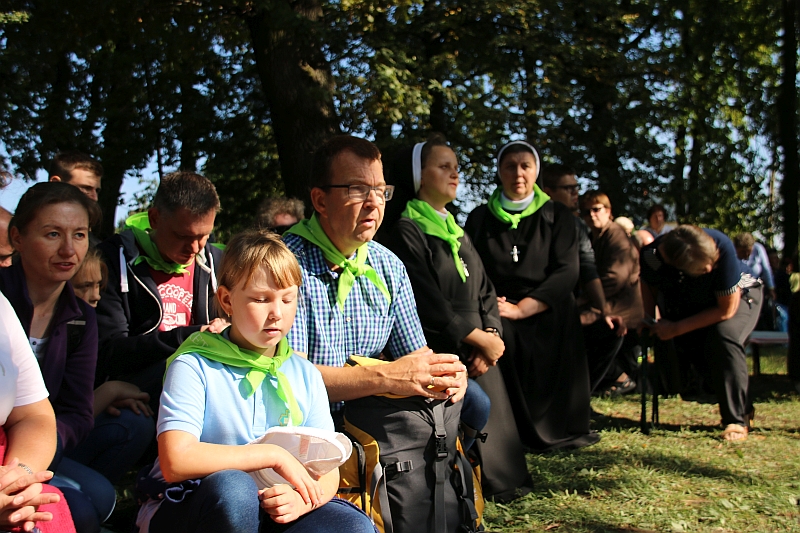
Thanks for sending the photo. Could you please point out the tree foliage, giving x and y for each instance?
(650, 100)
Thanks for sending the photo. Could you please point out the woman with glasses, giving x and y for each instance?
(617, 261)
(529, 248)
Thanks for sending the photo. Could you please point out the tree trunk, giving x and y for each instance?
(787, 128)
(297, 82)
(678, 186)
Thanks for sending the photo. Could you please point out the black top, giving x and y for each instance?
(545, 276)
(448, 307)
(586, 255)
(685, 295)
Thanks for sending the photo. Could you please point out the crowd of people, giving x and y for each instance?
(161, 343)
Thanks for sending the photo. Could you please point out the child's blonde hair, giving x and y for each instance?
(252, 249)
(93, 259)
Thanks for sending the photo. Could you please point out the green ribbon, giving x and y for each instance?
(216, 347)
(539, 199)
(139, 224)
(431, 223)
(311, 231)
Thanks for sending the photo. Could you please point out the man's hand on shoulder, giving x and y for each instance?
(424, 373)
(217, 325)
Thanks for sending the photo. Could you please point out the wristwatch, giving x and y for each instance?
(493, 331)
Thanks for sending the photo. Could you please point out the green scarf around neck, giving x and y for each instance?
(217, 348)
(539, 199)
(139, 224)
(311, 230)
(429, 221)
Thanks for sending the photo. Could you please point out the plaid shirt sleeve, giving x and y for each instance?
(407, 334)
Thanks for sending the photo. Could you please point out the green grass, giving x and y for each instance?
(681, 477)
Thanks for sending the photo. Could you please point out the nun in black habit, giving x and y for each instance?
(529, 249)
(456, 302)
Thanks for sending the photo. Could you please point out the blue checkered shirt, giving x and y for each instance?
(368, 324)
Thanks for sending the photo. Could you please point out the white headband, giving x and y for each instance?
(529, 145)
(416, 165)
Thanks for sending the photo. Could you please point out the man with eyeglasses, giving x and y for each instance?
(356, 298)
(560, 183)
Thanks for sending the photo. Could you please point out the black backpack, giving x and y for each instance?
(407, 471)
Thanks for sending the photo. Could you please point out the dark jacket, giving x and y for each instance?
(618, 266)
(130, 309)
(449, 309)
(68, 373)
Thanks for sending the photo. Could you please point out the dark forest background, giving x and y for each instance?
(686, 102)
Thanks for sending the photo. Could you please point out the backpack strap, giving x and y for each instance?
(361, 457)
(465, 491)
(440, 464)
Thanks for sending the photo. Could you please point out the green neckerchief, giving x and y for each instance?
(311, 231)
(496, 208)
(139, 224)
(431, 223)
(216, 347)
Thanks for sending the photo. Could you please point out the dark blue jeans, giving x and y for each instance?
(475, 410)
(115, 443)
(91, 498)
(227, 502)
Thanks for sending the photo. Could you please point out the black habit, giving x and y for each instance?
(449, 310)
(544, 364)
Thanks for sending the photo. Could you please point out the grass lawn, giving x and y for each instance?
(681, 477)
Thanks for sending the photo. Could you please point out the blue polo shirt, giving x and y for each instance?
(685, 295)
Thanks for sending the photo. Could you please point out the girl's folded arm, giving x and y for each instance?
(183, 456)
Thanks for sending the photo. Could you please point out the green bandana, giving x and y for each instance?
(432, 224)
(217, 348)
(539, 199)
(311, 231)
(139, 224)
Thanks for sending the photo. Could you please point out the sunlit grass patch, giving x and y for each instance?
(681, 477)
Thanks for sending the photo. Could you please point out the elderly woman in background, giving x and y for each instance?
(529, 248)
(617, 260)
(709, 306)
(657, 221)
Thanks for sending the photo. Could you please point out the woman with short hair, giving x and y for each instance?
(709, 306)
(617, 261)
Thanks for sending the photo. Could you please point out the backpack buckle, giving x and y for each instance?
(441, 447)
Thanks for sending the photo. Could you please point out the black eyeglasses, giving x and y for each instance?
(360, 192)
(586, 212)
(570, 188)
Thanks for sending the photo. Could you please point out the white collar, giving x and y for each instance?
(516, 205)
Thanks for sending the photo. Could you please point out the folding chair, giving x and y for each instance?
(647, 343)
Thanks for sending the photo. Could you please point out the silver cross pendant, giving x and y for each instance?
(515, 254)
